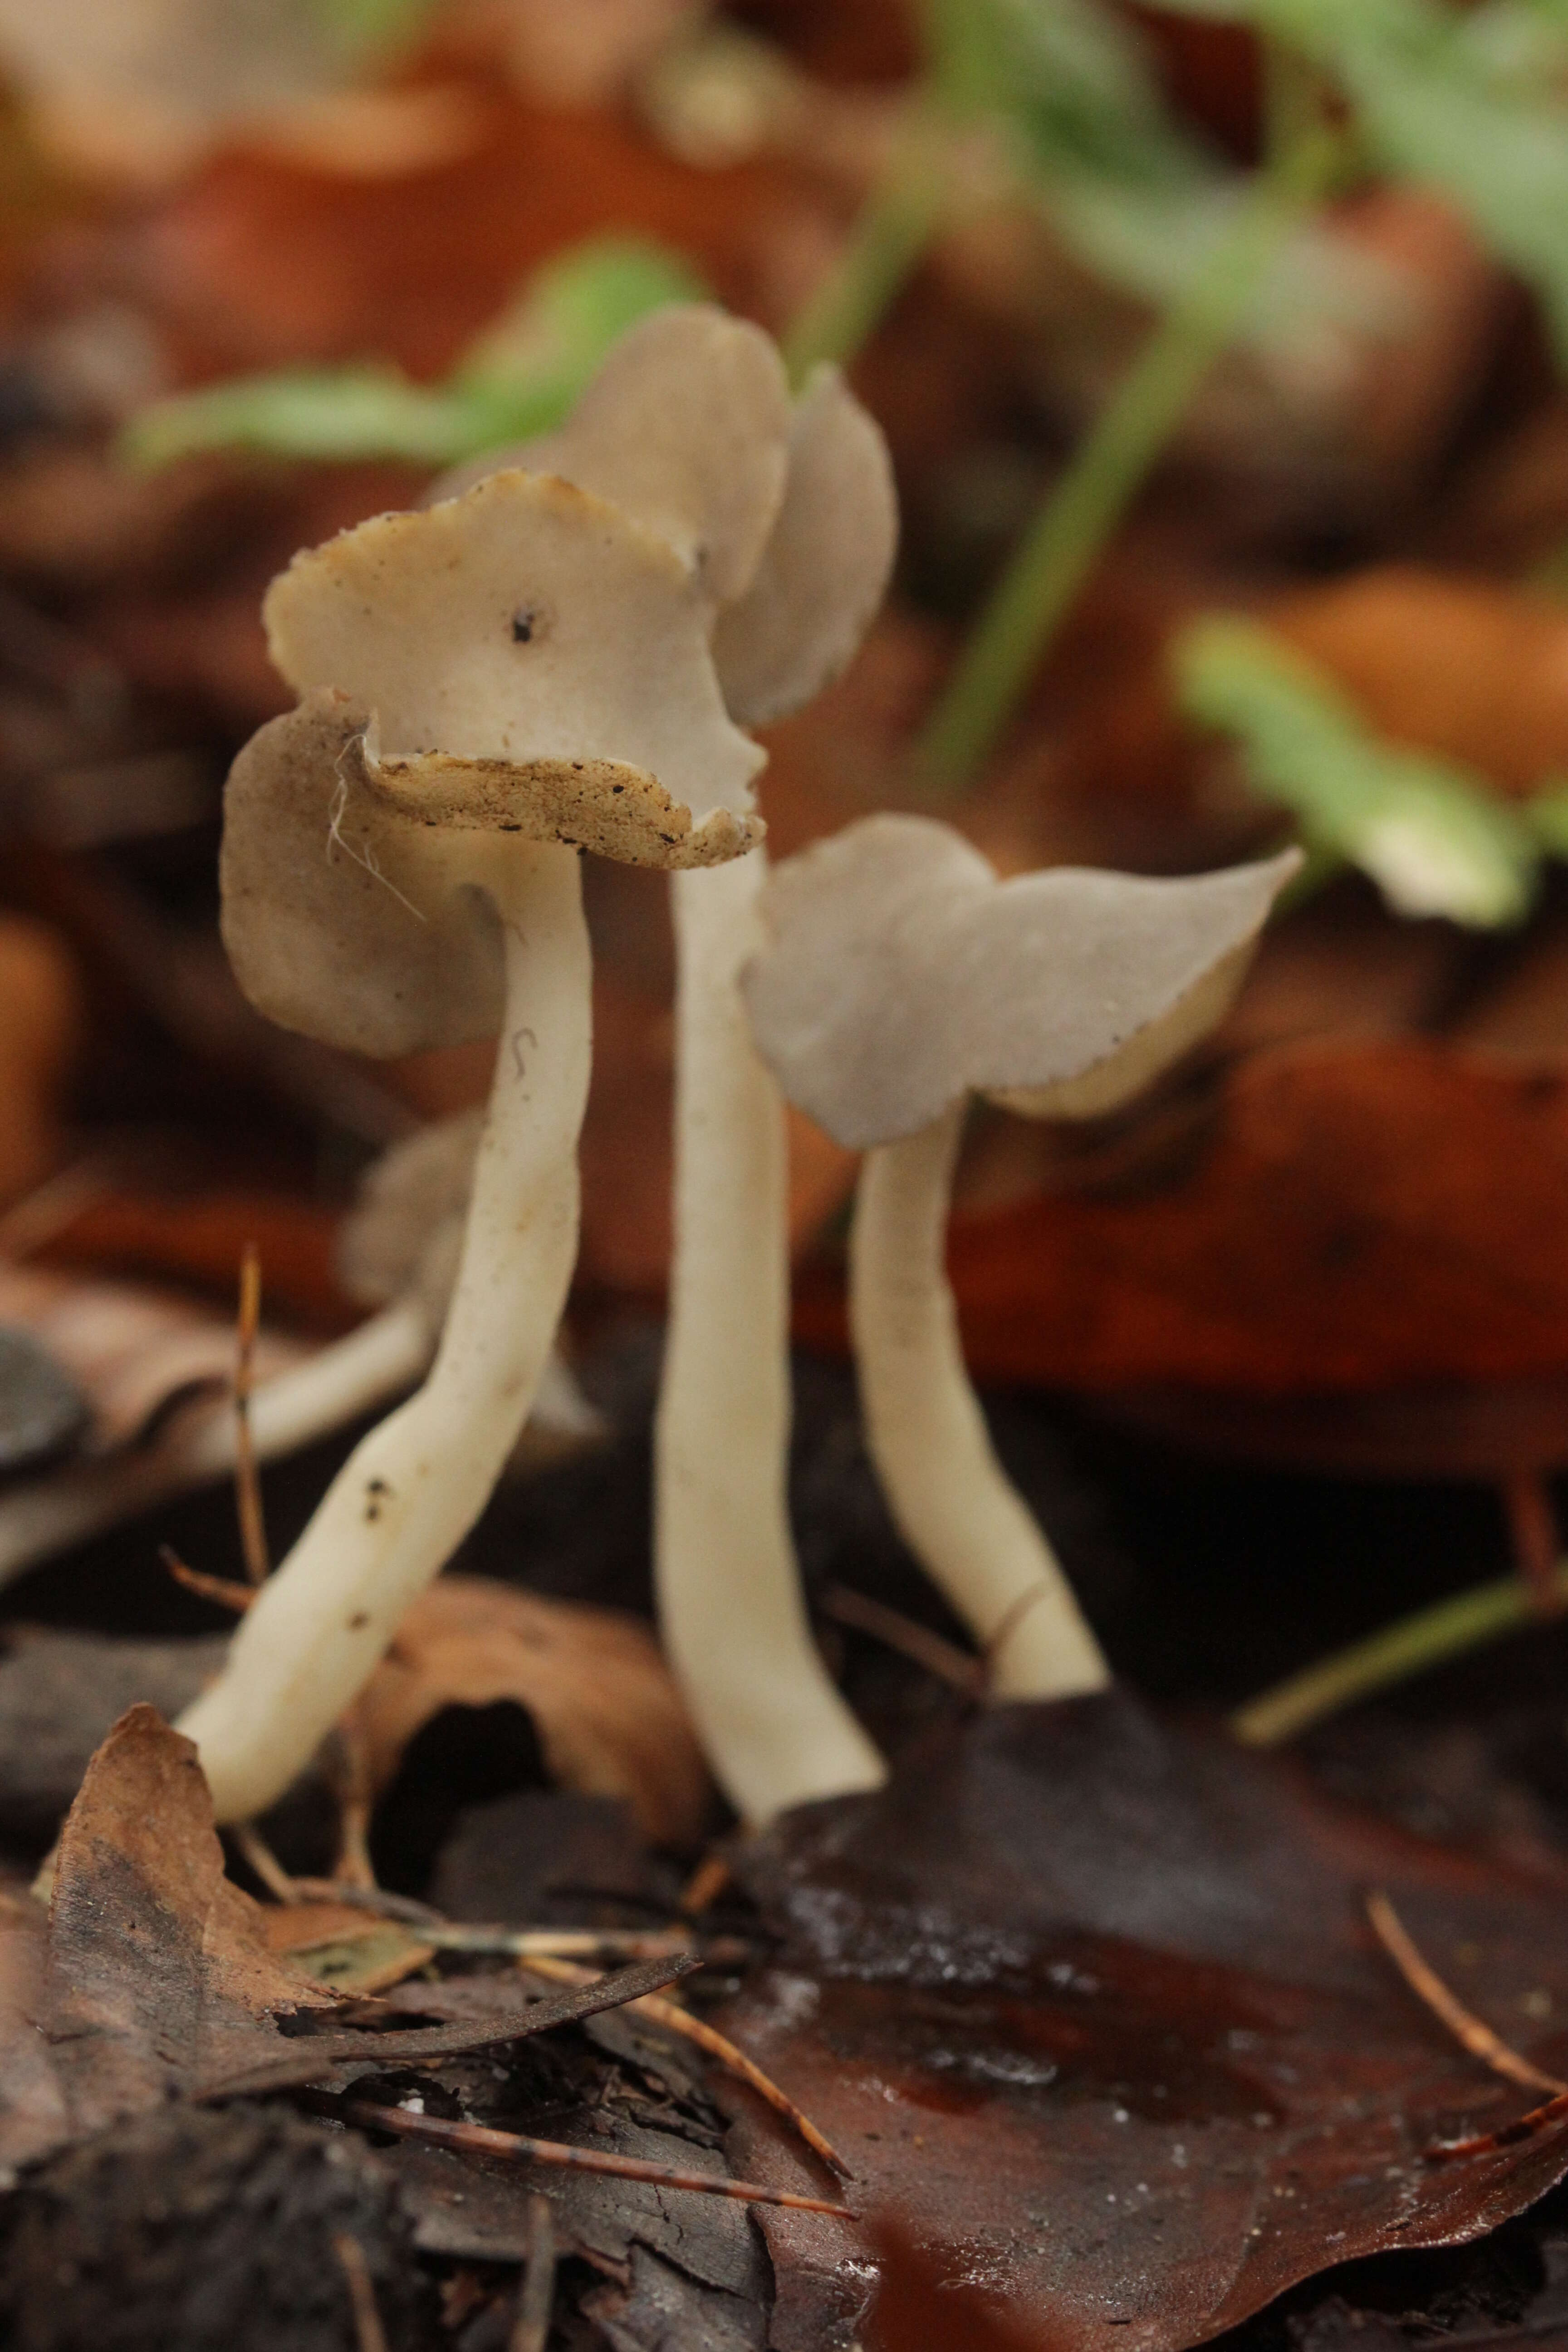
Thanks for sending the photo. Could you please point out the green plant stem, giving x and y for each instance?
(1088, 501)
(1293, 98)
(1551, 574)
(893, 229)
(1398, 1652)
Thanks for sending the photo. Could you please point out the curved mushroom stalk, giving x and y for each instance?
(411, 1489)
(951, 1499)
(399, 1250)
(367, 1367)
(787, 518)
(901, 977)
(730, 1602)
(490, 685)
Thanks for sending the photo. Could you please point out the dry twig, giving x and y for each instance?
(1526, 2126)
(478, 2140)
(369, 2332)
(348, 1761)
(604, 1944)
(223, 1589)
(255, 1850)
(535, 2296)
(681, 2020)
(937, 1655)
(311, 2055)
(704, 1886)
(246, 1477)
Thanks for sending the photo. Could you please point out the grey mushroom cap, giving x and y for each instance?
(341, 920)
(902, 974)
(527, 625)
(824, 570)
(524, 660)
(787, 516)
(685, 428)
(349, 907)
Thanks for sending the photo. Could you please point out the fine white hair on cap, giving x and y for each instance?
(902, 974)
(351, 919)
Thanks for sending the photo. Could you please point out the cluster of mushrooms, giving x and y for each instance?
(558, 655)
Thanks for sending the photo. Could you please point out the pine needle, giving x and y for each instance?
(478, 2140)
(223, 1589)
(718, 2045)
(1471, 2032)
(369, 2333)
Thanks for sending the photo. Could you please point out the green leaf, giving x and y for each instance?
(368, 28)
(1546, 813)
(1133, 195)
(519, 378)
(1473, 103)
(321, 413)
(1075, 82)
(1431, 833)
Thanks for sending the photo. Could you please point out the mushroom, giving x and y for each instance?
(488, 687)
(398, 1255)
(902, 977)
(788, 520)
(398, 1250)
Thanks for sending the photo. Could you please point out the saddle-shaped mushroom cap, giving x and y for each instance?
(685, 426)
(352, 920)
(902, 974)
(522, 660)
(527, 623)
(788, 516)
(342, 919)
(824, 570)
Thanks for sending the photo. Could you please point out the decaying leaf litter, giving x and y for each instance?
(1351, 1011)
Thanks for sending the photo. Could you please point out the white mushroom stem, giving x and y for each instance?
(773, 1727)
(411, 1490)
(953, 1502)
(382, 1355)
(377, 1360)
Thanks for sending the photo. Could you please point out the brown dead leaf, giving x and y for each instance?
(338, 1947)
(155, 1972)
(1466, 668)
(1507, 510)
(1094, 2010)
(1377, 1216)
(608, 1716)
(33, 2114)
(42, 1021)
(198, 1238)
(1404, 390)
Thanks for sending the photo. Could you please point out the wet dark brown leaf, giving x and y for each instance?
(1383, 1216)
(1095, 2012)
